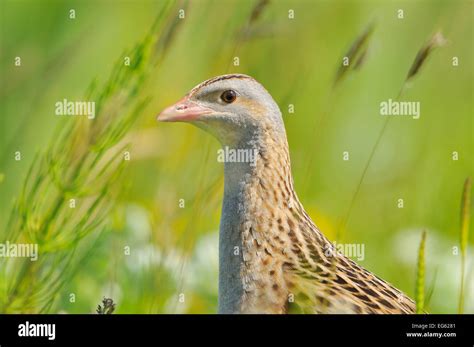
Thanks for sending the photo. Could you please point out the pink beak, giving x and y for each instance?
(184, 110)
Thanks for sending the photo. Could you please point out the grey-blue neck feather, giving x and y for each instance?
(230, 242)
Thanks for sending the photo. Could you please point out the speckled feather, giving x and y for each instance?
(288, 261)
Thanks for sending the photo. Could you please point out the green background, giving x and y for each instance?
(173, 250)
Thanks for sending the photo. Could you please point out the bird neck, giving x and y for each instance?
(254, 193)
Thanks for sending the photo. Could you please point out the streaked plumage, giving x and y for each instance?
(283, 262)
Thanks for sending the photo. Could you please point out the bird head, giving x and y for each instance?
(233, 108)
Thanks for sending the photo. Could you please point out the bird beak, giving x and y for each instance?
(183, 111)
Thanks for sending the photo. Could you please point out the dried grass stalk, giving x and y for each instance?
(357, 53)
(437, 40)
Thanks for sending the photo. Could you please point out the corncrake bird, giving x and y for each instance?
(283, 262)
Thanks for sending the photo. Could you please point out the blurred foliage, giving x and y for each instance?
(151, 254)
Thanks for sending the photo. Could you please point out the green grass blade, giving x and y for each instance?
(464, 237)
(420, 276)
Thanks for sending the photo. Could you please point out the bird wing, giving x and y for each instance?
(328, 282)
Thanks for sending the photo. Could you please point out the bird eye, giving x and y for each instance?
(229, 96)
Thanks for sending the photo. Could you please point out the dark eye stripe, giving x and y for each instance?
(229, 96)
